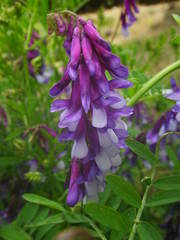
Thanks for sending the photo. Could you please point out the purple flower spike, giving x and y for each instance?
(128, 15)
(92, 115)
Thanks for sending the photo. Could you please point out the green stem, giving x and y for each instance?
(140, 210)
(153, 81)
(143, 202)
(139, 213)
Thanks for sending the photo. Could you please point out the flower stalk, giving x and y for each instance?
(154, 80)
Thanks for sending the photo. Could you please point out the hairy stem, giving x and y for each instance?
(140, 210)
(154, 80)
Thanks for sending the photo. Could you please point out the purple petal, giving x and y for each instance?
(80, 148)
(59, 104)
(69, 117)
(94, 35)
(59, 87)
(84, 80)
(88, 55)
(66, 136)
(117, 83)
(99, 117)
(75, 47)
(175, 95)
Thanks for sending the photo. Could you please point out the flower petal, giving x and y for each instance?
(79, 149)
(99, 117)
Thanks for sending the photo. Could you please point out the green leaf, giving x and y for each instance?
(176, 18)
(141, 150)
(27, 213)
(107, 216)
(54, 219)
(33, 198)
(72, 217)
(163, 197)
(43, 231)
(148, 232)
(13, 232)
(168, 183)
(124, 190)
(42, 214)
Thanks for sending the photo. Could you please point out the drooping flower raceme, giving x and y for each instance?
(91, 116)
(36, 64)
(128, 15)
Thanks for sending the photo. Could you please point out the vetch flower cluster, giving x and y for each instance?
(92, 116)
(128, 15)
(36, 64)
(168, 122)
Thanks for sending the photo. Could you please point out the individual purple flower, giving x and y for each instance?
(41, 72)
(168, 122)
(3, 117)
(175, 95)
(128, 15)
(92, 115)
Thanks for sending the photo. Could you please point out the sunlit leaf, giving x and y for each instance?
(163, 197)
(168, 183)
(141, 150)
